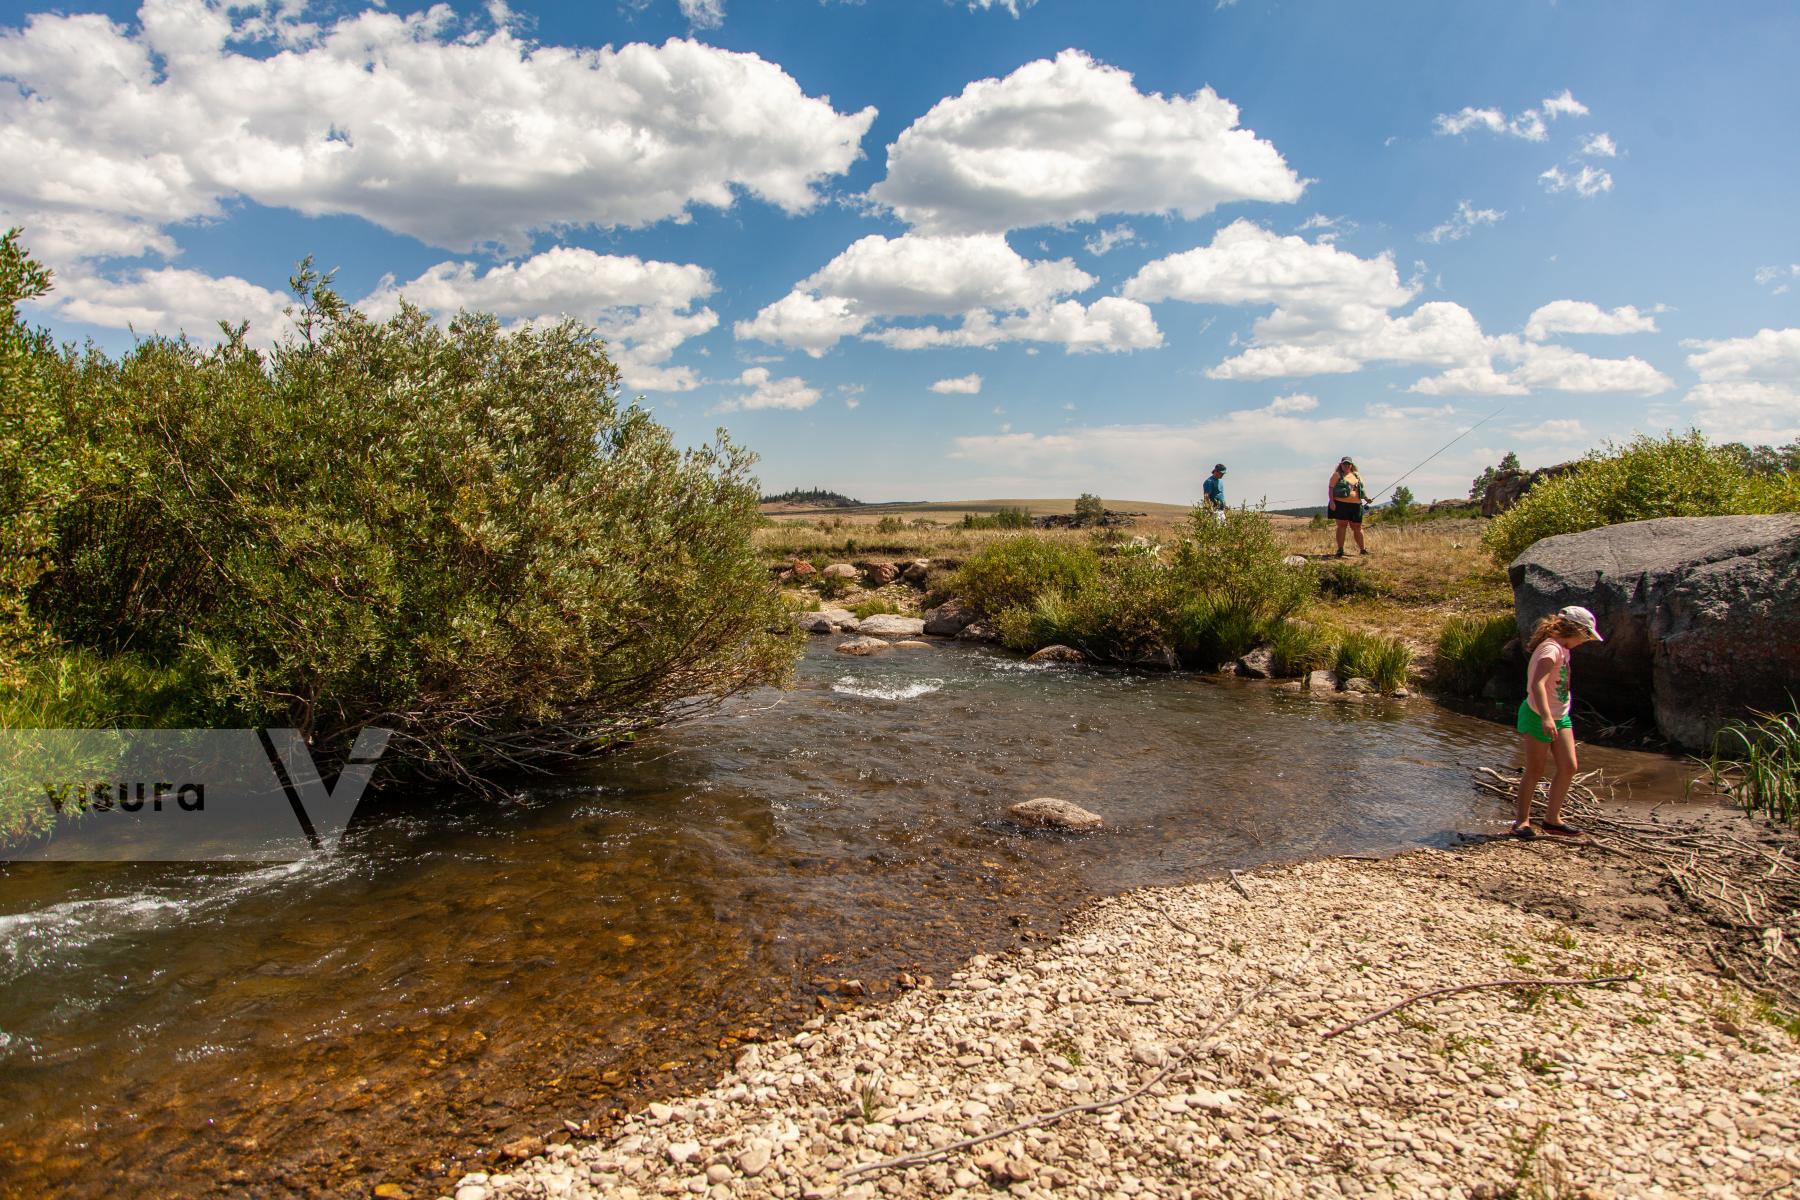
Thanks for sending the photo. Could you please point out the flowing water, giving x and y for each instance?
(464, 972)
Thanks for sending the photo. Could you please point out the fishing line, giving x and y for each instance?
(1459, 437)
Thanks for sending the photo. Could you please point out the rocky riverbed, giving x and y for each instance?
(1196, 1026)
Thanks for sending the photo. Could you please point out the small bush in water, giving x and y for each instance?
(1468, 651)
(1757, 762)
(1381, 660)
(1672, 476)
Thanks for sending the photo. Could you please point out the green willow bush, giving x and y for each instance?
(458, 533)
(1672, 476)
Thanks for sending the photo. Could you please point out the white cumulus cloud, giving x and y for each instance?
(1582, 316)
(1600, 145)
(1333, 313)
(765, 392)
(998, 295)
(1749, 388)
(458, 133)
(1108, 240)
(1070, 139)
(703, 14)
(644, 309)
(170, 301)
(965, 385)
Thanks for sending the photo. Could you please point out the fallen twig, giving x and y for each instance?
(1239, 885)
(1476, 987)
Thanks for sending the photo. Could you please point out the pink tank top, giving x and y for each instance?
(1551, 656)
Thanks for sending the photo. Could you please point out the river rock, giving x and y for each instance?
(1356, 683)
(1699, 616)
(1057, 654)
(948, 619)
(861, 646)
(978, 631)
(843, 618)
(1258, 664)
(839, 571)
(909, 644)
(1321, 681)
(880, 573)
(802, 568)
(813, 622)
(1294, 560)
(891, 625)
(917, 571)
(1048, 813)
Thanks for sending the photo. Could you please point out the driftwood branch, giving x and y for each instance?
(1239, 885)
(1476, 987)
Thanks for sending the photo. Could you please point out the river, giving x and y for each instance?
(464, 972)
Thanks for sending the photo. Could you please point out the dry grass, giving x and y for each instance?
(1425, 574)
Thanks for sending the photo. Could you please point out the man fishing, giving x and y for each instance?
(1212, 492)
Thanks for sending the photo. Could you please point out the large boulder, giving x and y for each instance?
(948, 619)
(1699, 614)
(839, 571)
(891, 625)
(879, 574)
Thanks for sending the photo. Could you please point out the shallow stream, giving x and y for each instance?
(466, 972)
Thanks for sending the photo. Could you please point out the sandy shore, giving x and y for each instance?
(1213, 1007)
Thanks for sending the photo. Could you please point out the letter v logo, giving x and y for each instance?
(323, 812)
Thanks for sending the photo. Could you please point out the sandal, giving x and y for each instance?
(1523, 830)
(1558, 829)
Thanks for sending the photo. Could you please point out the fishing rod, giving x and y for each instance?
(1459, 437)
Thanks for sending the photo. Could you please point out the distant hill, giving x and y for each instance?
(813, 498)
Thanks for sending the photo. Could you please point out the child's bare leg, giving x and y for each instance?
(1537, 756)
(1566, 766)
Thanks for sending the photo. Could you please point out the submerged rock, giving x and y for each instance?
(861, 646)
(1058, 654)
(1046, 812)
(978, 631)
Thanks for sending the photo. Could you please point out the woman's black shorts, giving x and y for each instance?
(1344, 511)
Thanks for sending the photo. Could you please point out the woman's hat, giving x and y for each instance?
(1582, 617)
(1346, 461)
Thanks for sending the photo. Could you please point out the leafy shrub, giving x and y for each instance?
(1381, 660)
(1089, 509)
(1017, 570)
(1671, 476)
(1468, 651)
(1350, 581)
(511, 569)
(832, 587)
(1238, 564)
(890, 524)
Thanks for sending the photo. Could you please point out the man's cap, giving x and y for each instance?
(1218, 466)
(1583, 618)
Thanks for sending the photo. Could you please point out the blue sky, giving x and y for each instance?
(937, 249)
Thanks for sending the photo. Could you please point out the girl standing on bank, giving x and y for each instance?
(1545, 729)
(1344, 501)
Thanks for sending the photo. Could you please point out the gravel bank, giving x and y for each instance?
(1676, 1083)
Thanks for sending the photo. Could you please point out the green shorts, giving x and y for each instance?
(1532, 725)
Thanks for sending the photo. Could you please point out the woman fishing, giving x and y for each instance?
(1345, 498)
